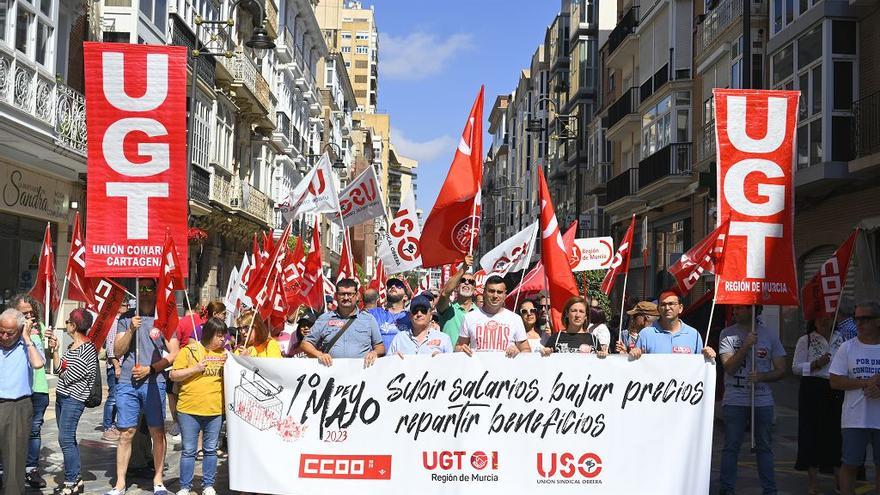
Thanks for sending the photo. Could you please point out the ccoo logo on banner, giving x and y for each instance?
(136, 123)
(755, 133)
(454, 424)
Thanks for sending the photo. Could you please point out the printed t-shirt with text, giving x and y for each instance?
(492, 332)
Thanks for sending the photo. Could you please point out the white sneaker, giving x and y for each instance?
(116, 491)
(209, 490)
(185, 491)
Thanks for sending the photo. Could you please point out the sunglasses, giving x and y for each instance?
(468, 281)
(420, 309)
(528, 311)
(393, 285)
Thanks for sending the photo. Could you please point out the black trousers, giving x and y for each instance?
(15, 430)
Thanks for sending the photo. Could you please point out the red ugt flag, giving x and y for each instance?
(170, 280)
(620, 262)
(46, 275)
(822, 293)
(705, 257)
(79, 288)
(554, 256)
(448, 229)
(108, 296)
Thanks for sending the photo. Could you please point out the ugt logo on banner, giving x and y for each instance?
(136, 117)
(755, 140)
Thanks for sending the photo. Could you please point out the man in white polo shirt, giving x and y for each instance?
(493, 327)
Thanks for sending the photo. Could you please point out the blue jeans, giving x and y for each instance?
(190, 426)
(110, 403)
(147, 398)
(736, 419)
(40, 402)
(67, 413)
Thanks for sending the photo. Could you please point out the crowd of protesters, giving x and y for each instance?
(147, 374)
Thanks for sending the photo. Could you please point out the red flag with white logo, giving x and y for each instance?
(170, 280)
(705, 257)
(79, 288)
(453, 224)
(620, 262)
(378, 283)
(554, 256)
(533, 281)
(313, 273)
(259, 289)
(755, 131)
(45, 283)
(108, 297)
(822, 293)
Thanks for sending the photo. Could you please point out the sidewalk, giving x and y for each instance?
(99, 457)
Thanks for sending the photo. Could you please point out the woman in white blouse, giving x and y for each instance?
(819, 440)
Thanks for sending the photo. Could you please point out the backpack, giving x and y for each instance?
(97, 393)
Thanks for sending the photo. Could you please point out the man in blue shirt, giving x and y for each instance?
(670, 335)
(420, 338)
(19, 357)
(360, 340)
(393, 312)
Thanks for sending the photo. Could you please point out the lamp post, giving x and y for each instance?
(338, 164)
(542, 125)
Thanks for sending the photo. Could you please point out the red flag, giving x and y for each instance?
(705, 257)
(170, 280)
(46, 275)
(554, 256)
(821, 294)
(533, 281)
(346, 270)
(448, 229)
(378, 283)
(620, 263)
(313, 273)
(268, 245)
(406, 285)
(108, 297)
(79, 288)
(256, 252)
(259, 289)
(292, 274)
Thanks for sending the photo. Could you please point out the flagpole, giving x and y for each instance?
(754, 347)
(526, 269)
(622, 304)
(265, 282)
(189, 308)
(137, 312)
(474, 224)
(712, 311)
(345, 238)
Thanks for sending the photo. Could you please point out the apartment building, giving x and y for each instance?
(351, 29)
(42, 132)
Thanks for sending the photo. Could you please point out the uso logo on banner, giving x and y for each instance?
(755, 140)
(136, 109)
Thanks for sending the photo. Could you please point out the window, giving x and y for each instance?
(23, 22)
(843, 37)
(657, 123)
(363, 50)
(4, 14)
(809, 47)
(843, 85)
(346, 49)
(44, 34)
(783, 65)
(363, 36)
(346, 35)
(156, 11)
(224, 128)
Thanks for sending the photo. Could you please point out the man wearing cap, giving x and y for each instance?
(358, 332)
(388, 317)
(641, 315)
(420, 337)
(304, 325)
(451, 314)
(670, 335)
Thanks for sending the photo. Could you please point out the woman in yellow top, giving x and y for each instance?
(260, 344)
(199, 370)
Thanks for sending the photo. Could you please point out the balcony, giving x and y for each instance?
(707, 142)
(711, 30)
(252, 92)
(281, 134)
(665, 173)
(621, 193)
(865, 131)
(182, 35)
(623, 117)
(597, 178)
(221, 190)
(306, 81)
(199, 190)
(55, 107)
(252, 202)
(284, 46)
(623, 41)
(271, 18)
(655, 85)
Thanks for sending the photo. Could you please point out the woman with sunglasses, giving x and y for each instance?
(260, 343)
(577, 337)
(199, 370)
(303, 327)
(78, 368)
(528, 311)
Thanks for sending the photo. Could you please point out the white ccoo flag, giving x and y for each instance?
(511, 255)
(399, 247)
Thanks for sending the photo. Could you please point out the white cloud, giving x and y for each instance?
(423, 151)
(418, 55)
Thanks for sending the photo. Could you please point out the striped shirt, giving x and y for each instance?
(79, 367)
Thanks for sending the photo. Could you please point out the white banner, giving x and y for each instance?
(361, 200)
(315, 193)
(455, 424)
(592, 253)
(399, 248)
(513, 254)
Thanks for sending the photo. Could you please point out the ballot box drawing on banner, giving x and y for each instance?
(256, 402)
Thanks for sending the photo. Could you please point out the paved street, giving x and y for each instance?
(99, 456)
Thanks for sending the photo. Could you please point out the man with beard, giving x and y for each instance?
(543, 318)
(451, 313)
(392, 317)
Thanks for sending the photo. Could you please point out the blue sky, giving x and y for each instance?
(434, 55)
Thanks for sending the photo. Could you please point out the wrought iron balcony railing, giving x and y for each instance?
(672, 159)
